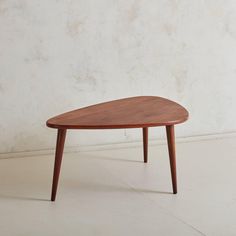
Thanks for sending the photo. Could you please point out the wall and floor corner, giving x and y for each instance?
(60, 55)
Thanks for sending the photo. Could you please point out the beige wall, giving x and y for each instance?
(58, 55)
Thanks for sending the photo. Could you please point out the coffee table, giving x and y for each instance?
(134, 112)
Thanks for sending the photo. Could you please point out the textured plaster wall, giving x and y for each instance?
(58, 55)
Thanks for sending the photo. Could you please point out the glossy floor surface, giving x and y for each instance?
(113, 192)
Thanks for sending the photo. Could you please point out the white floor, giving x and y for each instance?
(113, 192)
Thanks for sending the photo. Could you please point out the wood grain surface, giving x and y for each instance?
(134, 112)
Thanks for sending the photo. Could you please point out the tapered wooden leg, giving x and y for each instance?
(61, 135)
(145, 144)
(171, 147)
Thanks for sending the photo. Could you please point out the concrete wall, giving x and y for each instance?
(59, 55)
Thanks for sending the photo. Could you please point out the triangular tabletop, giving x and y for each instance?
(134, 112)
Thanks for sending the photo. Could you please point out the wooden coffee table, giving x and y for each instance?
(134, 112)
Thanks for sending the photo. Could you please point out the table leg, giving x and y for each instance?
(171, 147)
(61, 135)
(145, 144)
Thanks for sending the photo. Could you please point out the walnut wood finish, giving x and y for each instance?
(61, 135)
(145, 144)
(135, 112)
(171, 147)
